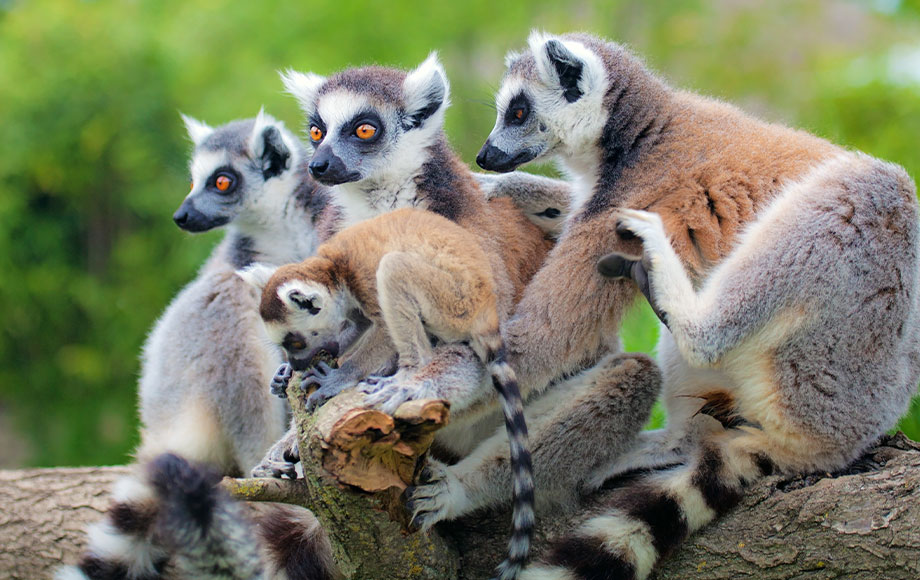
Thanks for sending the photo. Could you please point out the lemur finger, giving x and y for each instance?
(280, 381)
(275, 469)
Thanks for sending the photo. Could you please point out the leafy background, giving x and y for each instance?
(94, 155)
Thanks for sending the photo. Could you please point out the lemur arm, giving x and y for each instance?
(569, 314)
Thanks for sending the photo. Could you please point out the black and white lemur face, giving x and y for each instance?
(367, 124)
(236, 167)
(550, 103)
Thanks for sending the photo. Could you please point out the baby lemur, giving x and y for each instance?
(390, 286)
(784, 268)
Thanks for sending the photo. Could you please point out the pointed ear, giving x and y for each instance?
(197, 131)
(303, 86)
(298, 299)
(425, 91)
(257, 275)
(267, 145)
(569, 64)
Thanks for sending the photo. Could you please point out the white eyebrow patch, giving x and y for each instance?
(339, 107)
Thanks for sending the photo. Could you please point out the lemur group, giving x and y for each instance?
(783, 269)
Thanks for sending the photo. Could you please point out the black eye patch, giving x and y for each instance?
(364, 118)
(518, 110)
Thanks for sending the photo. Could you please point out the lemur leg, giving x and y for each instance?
(569, 315)
(682, 386)
(414, 295)
(576, 426)
(737, 299)
(647, 519)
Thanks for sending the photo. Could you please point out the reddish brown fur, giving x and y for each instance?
(708, 150)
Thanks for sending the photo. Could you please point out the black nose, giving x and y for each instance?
(329, 169)
(491, 158)
(190, 219)
(318, 168)
(181, 217)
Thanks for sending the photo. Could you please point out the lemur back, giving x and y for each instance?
(775, 260)
(415, 276)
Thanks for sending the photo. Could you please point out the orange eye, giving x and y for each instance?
(519, 114)
(365, 131)
(191, 185)
(316, 133)
(222, 183)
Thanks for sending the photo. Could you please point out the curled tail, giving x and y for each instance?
(173, 519)
(522, 523)
(639, 524)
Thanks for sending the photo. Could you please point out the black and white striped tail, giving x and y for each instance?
(522, 523)
(647, 519)
(122, 545)
(171, 516)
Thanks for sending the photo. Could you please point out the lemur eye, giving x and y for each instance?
(519, 114)
(365, 131)
(297, 345)
(316, 134)
(223, 182)
(191, 185)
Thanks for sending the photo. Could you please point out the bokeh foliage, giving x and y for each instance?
(94, 155)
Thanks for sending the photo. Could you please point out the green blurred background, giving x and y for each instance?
(94, 155)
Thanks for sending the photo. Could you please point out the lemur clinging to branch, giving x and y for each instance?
(388, 286)
(784, 268)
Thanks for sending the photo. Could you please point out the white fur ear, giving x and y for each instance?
(256, 139)
(567, 64)
(299, 297)
(303, 86)
(257, 275)
(426, 90)
(197, 131)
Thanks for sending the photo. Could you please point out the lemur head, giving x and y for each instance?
(551, 101)
(307, 309)
(243, 165)
(370, 123)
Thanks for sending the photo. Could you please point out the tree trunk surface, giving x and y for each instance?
(860, 526)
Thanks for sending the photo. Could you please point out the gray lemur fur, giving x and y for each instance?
(207, 361)
(784, 269)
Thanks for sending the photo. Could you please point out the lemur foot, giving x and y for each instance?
(281, 460)
(281, 380)
(388, 393)
(648, 227)
(329, 381)
(439, 496)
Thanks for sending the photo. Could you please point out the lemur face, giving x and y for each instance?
(550, 103)
(366, 124)
(235, 167)
(305, 315)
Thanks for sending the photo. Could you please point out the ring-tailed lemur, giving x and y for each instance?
(379, 142)
(207, 361)
(170, 519)
(784, 267)
(403, 279)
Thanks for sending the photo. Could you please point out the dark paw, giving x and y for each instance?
(615, 266)
(281, 380)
